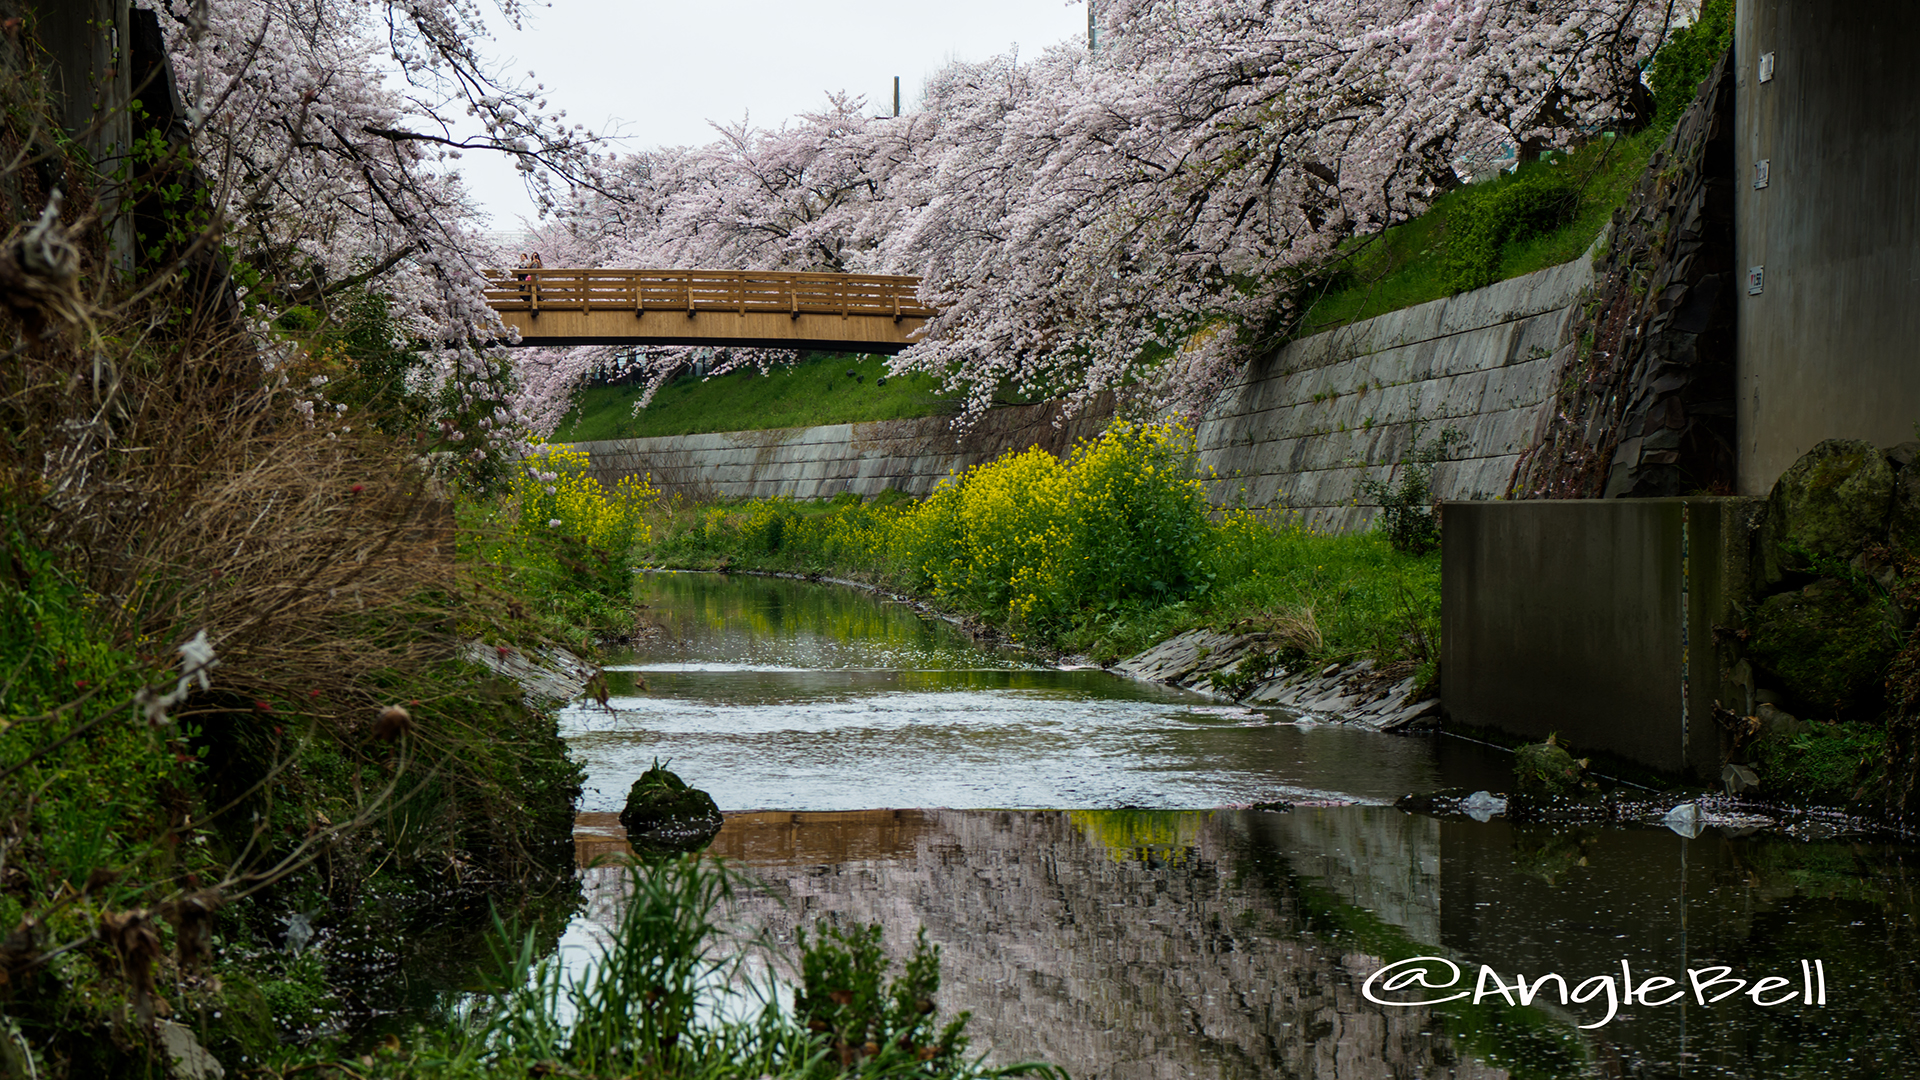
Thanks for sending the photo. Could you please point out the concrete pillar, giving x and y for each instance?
(87, 42)
(1595, 619)
(1828, 97)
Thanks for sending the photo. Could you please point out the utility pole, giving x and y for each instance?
(896, 95)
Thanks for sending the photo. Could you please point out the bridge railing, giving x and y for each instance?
(694, 291)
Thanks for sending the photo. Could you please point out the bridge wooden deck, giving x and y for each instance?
(865, 313)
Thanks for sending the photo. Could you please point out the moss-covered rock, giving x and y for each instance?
(1827, 644)
(244, 1035)
(1903, 524)
(1547, 769)
(1831, 764)
(664, 815)
(1830, 505)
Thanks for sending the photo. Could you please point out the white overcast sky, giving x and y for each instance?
(658, 72)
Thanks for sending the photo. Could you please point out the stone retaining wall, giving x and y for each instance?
(817, 462)
(1299, 430)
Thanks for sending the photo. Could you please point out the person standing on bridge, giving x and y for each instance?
(534, 262)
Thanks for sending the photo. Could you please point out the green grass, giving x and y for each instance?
(1832, 764)
(1361, 598)
(814, 391)
(1407, 264)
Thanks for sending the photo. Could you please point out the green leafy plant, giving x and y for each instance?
(858, 1016)
(1247, 675)
(1688, 57)
(1831, 763)
(1406, 507)
(668, 997)
(1487, 218)
(1547, 769)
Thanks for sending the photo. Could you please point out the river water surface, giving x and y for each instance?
(1080, 848)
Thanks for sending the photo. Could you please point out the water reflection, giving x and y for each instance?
(1236, 943)
(1136, 936)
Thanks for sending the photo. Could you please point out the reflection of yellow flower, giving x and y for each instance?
(1138, 834)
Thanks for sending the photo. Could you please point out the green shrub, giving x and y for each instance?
(860, 1018)
(667, 997)
(1834, 764)
(1488, 218)
(1688, 57)
(1406, 508)
(1123, 518)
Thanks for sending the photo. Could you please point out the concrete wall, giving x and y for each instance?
(1595, 619)
(810, 463)
(87, 42)
(1830, 348)
(1303, 428)
(1298, 430)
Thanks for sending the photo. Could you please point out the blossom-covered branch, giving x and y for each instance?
(1147, 213)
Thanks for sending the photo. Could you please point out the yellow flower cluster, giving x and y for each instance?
(1123, 517)
(554, 493)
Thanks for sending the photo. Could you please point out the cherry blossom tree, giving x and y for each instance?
(331, 132)
(1148, 212)
(1152, 210)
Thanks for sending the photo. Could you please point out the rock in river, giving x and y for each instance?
(664, 816)
(1547, 769)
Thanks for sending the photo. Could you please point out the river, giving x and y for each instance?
(1082, 849)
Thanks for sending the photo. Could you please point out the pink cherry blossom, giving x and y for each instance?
(1143, 215)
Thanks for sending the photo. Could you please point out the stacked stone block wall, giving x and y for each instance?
(819, 462)
(1302, 429)
(1298, 431)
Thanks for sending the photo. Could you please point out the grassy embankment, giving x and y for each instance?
(1102, 554)
(1541, 215)
(815, 390)
(232, 705)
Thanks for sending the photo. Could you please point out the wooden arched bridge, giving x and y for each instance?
(864, 313)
